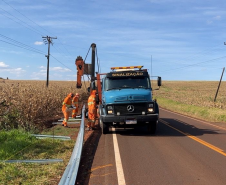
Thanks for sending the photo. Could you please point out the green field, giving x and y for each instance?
(20, 145)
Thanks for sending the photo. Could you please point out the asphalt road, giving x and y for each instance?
(183, 151)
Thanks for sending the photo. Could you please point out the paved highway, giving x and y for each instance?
(183, 151)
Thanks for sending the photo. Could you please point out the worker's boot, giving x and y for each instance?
(64, 124)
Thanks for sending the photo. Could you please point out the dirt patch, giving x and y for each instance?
(88, 153)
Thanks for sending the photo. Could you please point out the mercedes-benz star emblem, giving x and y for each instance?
(130, 108)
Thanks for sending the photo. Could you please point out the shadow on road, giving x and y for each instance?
(166, 127)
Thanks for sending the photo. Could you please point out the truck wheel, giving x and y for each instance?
(152, 128)
(105, 128)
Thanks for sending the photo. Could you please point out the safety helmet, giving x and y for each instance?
(71, 95)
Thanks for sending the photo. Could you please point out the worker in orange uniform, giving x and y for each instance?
(66, 108)
(92, 110)
(75, 104)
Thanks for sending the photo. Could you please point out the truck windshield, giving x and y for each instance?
(121, 83)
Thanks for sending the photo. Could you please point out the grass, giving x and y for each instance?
(18, 144)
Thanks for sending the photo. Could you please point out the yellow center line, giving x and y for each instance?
(197, 139)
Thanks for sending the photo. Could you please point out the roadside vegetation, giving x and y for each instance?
(17, 144)
(193, 98)
(28, 107)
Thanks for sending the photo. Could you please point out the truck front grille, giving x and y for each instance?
(130, 109)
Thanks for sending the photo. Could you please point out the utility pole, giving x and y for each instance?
(219, 84)
(48, 40)
(93, 45)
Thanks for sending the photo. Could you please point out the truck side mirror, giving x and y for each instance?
(159, 81)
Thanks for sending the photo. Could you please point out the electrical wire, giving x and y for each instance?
(194, 64)
(24, 15)
(87, 54)
(62, 63)
(28, 26)
(20, 44)
(30, 49)
(25, 24)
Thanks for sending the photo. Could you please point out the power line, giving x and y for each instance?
(194, 64)
(30, 49)
(28, 26)
(61, 63)
(24, 15)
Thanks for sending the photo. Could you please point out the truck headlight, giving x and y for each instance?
(150, 110)
(110, 109)
(110, 112)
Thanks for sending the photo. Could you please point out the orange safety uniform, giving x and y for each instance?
(75, 103)
(67, 103)
(92, 110)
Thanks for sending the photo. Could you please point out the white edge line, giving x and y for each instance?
(118, 162)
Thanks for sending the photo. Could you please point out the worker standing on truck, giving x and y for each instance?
(92, 110)
(66, 108)
(75, 103)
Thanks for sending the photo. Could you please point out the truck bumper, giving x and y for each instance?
(139, 118)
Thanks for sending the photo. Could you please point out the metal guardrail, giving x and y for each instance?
(41, 161)
(51, 136)
(71, 171)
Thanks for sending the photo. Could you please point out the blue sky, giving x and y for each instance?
(174, 39)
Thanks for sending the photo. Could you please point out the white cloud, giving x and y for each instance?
(218, 17)
(16, 71)
(60, 69)
(38, 75)
(2, 64)
(38, 43)
(57, 69)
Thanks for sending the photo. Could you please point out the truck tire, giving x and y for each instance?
(105, 128)
(152, 128)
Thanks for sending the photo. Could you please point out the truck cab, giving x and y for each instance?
(126, 100)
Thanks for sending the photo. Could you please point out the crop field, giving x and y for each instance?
(181, 96)
(30, 105)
